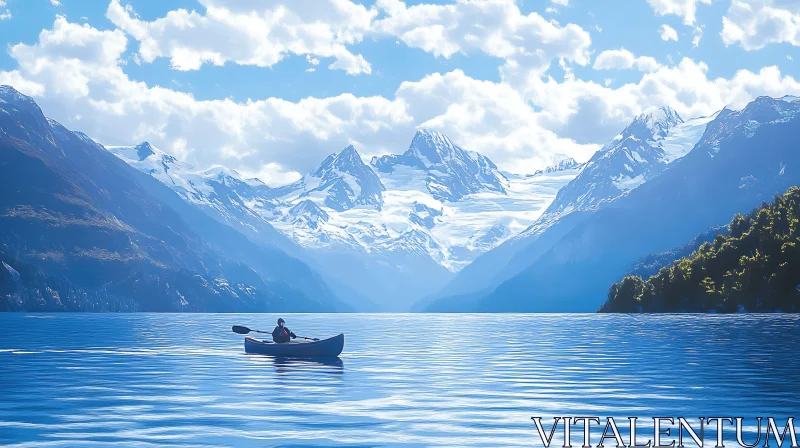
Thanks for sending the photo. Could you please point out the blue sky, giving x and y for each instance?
(518, 93)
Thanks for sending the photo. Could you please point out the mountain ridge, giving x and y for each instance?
(388, 227)
(743, 158)
(100, 229)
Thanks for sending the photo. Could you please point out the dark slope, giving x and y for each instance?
(744, 158)
(72, 211)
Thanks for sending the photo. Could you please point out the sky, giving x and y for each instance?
(271, 87)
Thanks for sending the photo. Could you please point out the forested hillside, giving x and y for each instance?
(755, 268)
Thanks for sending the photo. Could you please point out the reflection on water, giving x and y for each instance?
(402, 380)
(284, 365)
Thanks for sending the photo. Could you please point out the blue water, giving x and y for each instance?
(403, 379)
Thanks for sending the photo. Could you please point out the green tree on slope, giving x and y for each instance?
(756, 267)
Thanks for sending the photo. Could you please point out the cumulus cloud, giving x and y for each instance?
(683, 8)
(587, 111)
(755, 24)
(76, 73)
(250, 33)
(668, 33)
(494, 27)
(488, 117)
(623, 59)
(272, 138)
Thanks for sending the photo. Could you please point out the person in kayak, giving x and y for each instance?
(282, 334)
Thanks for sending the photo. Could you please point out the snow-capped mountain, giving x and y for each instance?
(435, 200)
(735, 160)
(743, 157)
(84, 231)
(342, 181)
(220, 192)
(559, 162)
(643, 149)
(393, 230)
(450, 172)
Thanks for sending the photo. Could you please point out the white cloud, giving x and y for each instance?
(75, 71)
(263, 33)
(668, 33)
(272, 174)
(683, 8)
(488, 117)
(4, 12)
(494, 27)
(240, 33)
(755, 24)
(623, 59)
(697, 35)
(14, 78)
(590, 112)
(55, 2)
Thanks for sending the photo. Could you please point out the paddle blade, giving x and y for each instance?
(240, 329)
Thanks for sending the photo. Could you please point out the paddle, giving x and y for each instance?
(244, 330)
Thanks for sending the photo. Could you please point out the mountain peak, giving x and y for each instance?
(308, 212)
(559, 162)
(349, 157)
(450, 171)
(656, 122)
(663, 113)
(222, 172)
(144, 150)
(347, 161)
(429, 132)
(349, 151)
(346, 180)
(12, 95)
(431, 146)
(643, 150)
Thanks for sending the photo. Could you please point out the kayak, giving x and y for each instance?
(326, 348)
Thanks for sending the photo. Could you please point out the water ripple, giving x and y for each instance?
(403, 379)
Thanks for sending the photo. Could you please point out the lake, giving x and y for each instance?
(402, 380)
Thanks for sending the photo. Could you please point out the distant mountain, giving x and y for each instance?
(751, 269)
(343, 181)
(220, 192)
(644, 148)
(743, 158)
(84, 231)
(391, 231)
(559, 162)
(450, 172)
